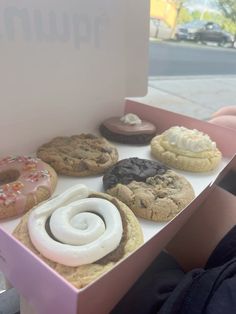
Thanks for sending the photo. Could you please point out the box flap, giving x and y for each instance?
(67, 64)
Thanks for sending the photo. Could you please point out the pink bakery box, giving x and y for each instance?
(214, 218)
(48, 292)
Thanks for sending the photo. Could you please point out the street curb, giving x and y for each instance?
(189, 44)
(192, 77)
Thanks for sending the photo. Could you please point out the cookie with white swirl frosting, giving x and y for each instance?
(81, 234)
(128, 129)
(186, 149)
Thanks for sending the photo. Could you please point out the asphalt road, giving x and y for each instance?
(172, 59)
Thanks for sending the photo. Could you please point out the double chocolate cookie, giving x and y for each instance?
(149, 188)
(129, 129)
(79, 155)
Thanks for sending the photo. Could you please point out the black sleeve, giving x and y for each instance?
(210, 290)
(165, 289)
(153, 288)
(224, 251)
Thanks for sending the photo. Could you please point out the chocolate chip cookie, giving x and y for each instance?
(150, 189)
(79, 155)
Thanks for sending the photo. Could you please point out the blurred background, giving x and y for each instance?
(167, 16)
(192, 37)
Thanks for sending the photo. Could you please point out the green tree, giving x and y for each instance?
(228, 9)
(179, 6)
(184, 16)
(196, 15)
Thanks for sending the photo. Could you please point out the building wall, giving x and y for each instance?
(165, 10)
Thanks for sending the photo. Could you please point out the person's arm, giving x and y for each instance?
(225, 116)
(225, 111)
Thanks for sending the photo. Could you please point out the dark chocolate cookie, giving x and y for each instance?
(132, 169)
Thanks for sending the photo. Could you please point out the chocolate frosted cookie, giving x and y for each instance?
(128, 129)
(149, 188)
(79, 155)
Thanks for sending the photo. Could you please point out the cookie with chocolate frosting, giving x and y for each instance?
(150, 189)
(129, 129)
(186, 149)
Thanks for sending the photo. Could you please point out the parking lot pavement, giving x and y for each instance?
(194, 96)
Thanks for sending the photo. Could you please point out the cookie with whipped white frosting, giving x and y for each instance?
(149, 188)
(81, 234)
(186, 149)
(129, 129)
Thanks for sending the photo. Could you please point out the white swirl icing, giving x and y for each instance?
(192, 140)
(131, 118)
(76, 222)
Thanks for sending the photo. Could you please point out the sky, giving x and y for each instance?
(201, 4)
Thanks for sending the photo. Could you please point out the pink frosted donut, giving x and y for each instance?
(24, 182)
